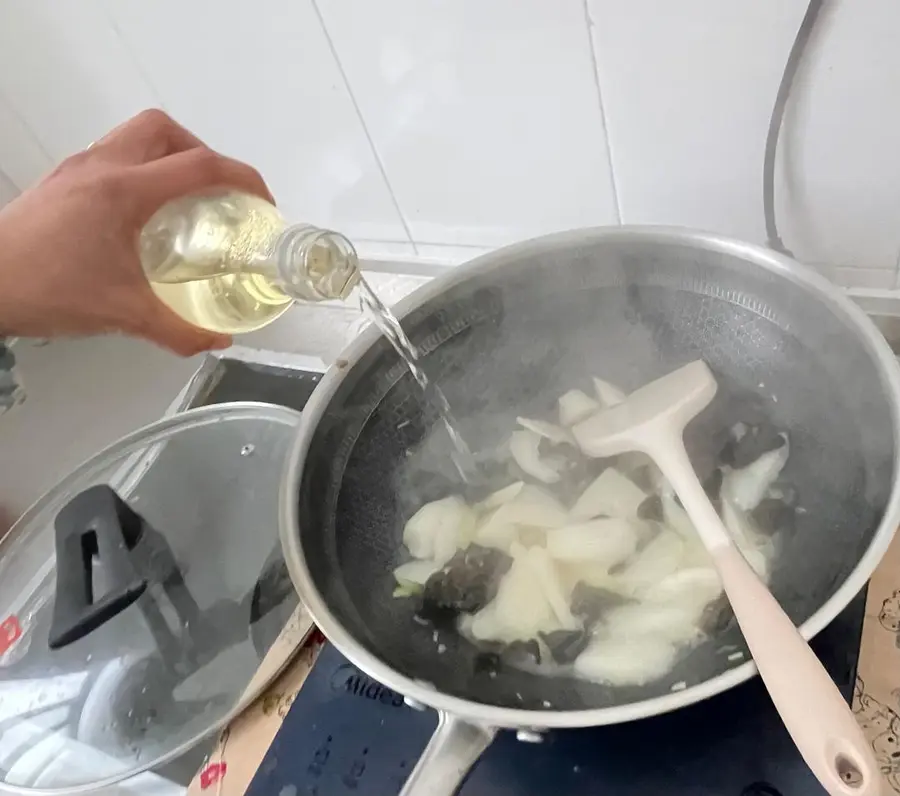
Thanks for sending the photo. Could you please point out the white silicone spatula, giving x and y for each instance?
(652, 420)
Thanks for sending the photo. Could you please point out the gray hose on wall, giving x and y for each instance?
(784, 90)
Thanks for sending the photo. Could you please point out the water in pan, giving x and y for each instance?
(597, 572)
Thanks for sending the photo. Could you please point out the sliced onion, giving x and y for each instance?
(549, 582)
(546, 430)
(438, 529)
(608, 394)
(498, 498)
(525, 449)
(497, 533)
(623, 662)
(575, 406)
(610, 495)
(532, 507)
(746, 488)
(692, 588)
(572, 573)
(536, 508)
(519, 612)
(605, 542)
(675, 622)
(659, 559)
(667, 582)
(757, 549)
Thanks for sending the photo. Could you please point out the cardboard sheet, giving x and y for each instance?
(876, 697)
(243, 744)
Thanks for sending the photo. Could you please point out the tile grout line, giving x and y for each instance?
(14, 111)
(473, 246)
(4, 177)
(365, 127)
(136, 62)
(588, 25)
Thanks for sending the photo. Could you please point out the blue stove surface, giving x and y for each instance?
(346, 734)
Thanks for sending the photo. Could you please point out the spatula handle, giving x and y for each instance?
(811, 707)
(813, 710)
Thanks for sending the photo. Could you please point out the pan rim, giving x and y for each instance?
(496, 716)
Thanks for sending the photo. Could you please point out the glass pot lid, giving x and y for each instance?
(138, 597)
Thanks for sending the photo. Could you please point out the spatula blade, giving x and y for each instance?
(670, 402)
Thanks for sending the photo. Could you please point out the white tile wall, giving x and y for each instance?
(485, 115)
(66, 73)
(265, 87)
(385, 249)
(431, 130)
(22, 158)
(8, 191)
(688, 89)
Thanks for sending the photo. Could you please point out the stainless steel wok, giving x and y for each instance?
(505, 335)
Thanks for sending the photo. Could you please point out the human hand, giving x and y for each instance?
(68, 246)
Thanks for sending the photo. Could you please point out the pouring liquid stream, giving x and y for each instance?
(388, 324)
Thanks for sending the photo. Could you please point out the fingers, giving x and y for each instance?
(150, 135)
(186, 342)
(197, 170)
(160, 325)
(170, 162)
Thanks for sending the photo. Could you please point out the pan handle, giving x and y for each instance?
(452, 751)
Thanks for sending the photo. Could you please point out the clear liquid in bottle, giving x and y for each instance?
(230, 263)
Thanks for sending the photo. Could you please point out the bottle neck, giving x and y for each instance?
(315, 264)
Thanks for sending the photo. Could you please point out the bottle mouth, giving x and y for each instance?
(332, 265)
(328, 264)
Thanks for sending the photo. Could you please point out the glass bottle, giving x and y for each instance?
(230, 263)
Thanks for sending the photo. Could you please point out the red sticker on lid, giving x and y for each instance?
(10, 633)
(212, 774)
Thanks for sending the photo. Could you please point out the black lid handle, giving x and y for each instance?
(95, 525)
